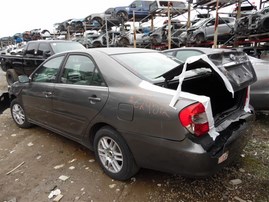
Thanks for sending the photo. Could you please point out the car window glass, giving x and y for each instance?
(183, 55)
(43, 47)
(138, 4)
(32, 47)
(147, 65)
(58, 47)
(211, 23)
(48, 71)
(81, 70)
(221, 21)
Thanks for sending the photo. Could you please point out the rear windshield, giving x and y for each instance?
(146, 65)
(66, 46)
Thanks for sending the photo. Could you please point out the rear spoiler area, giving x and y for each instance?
(4, 102)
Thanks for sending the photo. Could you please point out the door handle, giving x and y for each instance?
(93, 99)
(47, 93)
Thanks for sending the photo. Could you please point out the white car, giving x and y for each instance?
(204, 30)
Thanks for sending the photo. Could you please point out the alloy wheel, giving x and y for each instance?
(110, 154)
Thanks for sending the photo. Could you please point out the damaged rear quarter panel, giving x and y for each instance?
(236, 74)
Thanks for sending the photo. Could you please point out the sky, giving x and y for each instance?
(17, 16)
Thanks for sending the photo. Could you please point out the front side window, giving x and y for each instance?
(48, 71)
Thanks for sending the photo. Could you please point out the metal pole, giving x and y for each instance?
(169, 28)
(68, 33)
(216, 25)
(189, 15)
(152, 23)
(134, 29)
(238, 14)
(107, 38)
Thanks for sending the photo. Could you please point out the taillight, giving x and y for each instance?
(194, 119)
(247, 97)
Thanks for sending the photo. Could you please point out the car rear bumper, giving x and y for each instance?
(186, 157)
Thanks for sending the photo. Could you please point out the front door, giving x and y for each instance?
(37, 96)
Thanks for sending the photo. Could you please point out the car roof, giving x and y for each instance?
(53, 41)
(202, 49)
(116, 50)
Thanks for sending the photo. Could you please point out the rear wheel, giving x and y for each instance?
(114, 155)
(11, 76)
(18, 114)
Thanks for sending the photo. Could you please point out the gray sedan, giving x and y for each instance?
(259, 94)
(139, 108)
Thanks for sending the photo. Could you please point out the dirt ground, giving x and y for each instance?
(32, 161)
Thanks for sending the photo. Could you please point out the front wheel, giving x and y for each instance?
(123, 42)
(122, 15)
(11, 76)
(18, 114)
(114, 155)
(199, 38)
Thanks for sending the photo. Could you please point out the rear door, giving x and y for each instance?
(79, 96)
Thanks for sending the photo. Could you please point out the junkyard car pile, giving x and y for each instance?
(257, 22)
(140, 108)
(201, 31)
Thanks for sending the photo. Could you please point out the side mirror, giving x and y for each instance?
(46, 54)
(133, 6)
(210, 24)
(23, 79)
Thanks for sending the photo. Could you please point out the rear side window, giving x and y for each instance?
(81, 70)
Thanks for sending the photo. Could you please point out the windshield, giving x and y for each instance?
(146, 65)
(66, 46)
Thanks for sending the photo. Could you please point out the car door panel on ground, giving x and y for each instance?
(80, 76)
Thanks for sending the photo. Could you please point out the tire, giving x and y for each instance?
(124, 42)
(3, 67)
(18, 114)
(99, 20)
(122, 15)
(114, 155)
(97, 44)
(199, 38)
(11, 76)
